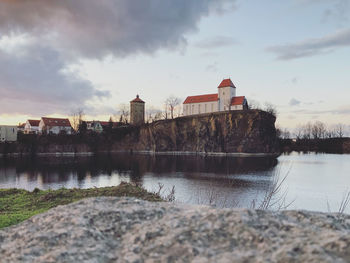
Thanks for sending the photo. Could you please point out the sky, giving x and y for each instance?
(60, 56)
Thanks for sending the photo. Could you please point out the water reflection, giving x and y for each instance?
(225, 181)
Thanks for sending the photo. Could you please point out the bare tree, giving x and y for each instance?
(339, 130)
(153, 114)
(123, 111)
(318, 130)
(307, 131)
(254, 105)
(299, 130)
(172, 102)
(77, 117)
(270, 108)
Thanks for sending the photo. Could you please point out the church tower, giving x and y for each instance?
(137, 111)
(226, 91)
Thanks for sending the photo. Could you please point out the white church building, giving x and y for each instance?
(224, 100)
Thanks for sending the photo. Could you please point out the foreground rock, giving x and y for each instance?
(128, 230)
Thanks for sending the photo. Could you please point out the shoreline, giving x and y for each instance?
(170, 153)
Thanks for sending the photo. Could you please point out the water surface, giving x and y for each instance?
(312, 180)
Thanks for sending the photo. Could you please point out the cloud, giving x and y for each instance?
(312, 47)
(40, 40)
(36, 80)
(337, 10)
(216, 42)
(94, 29)
(294, 102)
(341, 110)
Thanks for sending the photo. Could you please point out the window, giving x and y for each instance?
(192, 109)
(199, 108)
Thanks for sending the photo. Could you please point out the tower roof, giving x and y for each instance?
(137, 99)
(226, 83)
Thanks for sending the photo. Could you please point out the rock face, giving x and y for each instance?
(250, 131)
(129, 230)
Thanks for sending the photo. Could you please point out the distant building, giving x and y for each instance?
(8, 133)
(54, 126)
(32, 127)
(137, 111)
(94, 126)
(224, 100)
(21, 127)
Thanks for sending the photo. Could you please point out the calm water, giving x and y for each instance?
(312, 180)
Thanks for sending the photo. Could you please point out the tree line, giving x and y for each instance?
(313, 130)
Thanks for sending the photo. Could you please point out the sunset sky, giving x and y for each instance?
(57, 56)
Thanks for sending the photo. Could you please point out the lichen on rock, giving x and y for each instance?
(128, 230)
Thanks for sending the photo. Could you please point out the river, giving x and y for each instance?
(316, 182)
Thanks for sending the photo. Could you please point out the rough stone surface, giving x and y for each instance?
(129, 230)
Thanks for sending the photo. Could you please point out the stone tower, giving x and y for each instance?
(226, 91)
(137, 111)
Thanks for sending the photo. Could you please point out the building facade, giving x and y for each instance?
(31, 127)
(55, 126)
(137, 111)
(224, 100)
(8, 133)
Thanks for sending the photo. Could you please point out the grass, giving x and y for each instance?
(17, 205)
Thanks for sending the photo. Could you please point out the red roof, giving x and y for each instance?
(137, 99)
(237, 101)
(34, 123)
(56, 122)
(226, 83)
(201, 98)
(106, 123)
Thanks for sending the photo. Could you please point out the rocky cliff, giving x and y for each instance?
(250, 131)
(129, 230)
(230, 132)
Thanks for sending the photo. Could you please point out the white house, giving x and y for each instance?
(224, 100)
(32, 127)
(8, 133)
(54, 126)
(94, 126)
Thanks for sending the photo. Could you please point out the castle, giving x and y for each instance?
(224, 100)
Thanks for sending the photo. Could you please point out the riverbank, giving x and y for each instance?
(17, 205)
(128, 230)
(171, 153)
(327, 145)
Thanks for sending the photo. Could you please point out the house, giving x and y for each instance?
(54, 126)
(8, 133)
(94, 126)
(224, 100)
(31, 127)
(21, 127)
(106, 124)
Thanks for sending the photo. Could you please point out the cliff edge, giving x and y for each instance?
(251, 131)
(128, 230)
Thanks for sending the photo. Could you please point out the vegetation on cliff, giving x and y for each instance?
(17, 205)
